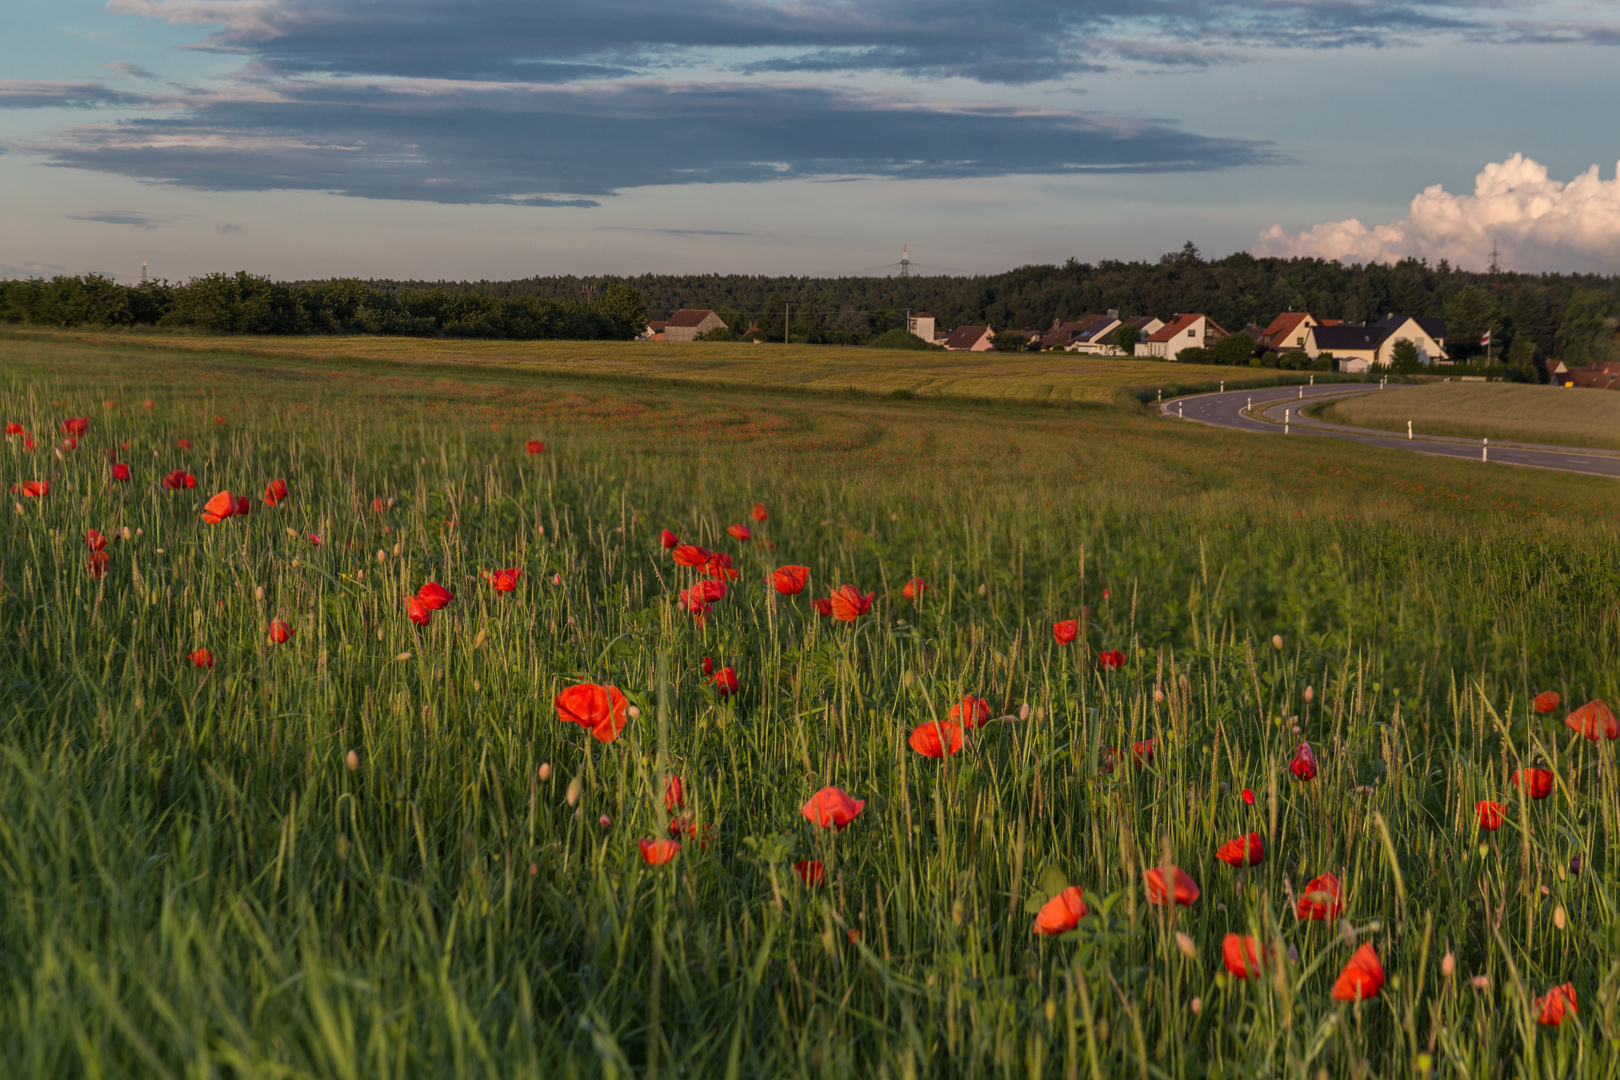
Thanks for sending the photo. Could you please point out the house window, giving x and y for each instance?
(1299, 341)
(1192, 333)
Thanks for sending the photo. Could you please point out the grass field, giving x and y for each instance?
(374, 850)
(1046, 377)
(1543, 414)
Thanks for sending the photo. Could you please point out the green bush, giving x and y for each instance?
(899, 339)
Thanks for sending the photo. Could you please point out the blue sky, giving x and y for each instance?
(502, 138)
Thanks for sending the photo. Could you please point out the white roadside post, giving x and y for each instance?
(1409, 431)
(1161, 397)
(1302, 393)
(1223, 386)
(1485, 450)
(1286, 414)
(1178, 411)
(1313, 380)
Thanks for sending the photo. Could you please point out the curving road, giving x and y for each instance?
(1233, 410)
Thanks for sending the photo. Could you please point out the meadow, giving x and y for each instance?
(364, 835)
(1053, 378)
(1516, 411)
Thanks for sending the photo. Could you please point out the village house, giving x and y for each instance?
(970, 339)
(1184, 332)
(1286, 332)
(1357, 348)
(1099, 340)
(655, 331)
(687, 323)
(922, 325)
(1063, 335)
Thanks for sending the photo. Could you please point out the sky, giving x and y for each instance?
(491, 139)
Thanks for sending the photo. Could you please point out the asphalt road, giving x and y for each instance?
(1267, 417)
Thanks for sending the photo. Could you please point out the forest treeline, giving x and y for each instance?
(1535, 316)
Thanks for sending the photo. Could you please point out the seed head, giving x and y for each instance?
(575, 788)
(1276, 641)
(352, 760)
(1188, 948)
(1310, 695)
(1448, 964)
(545, 771)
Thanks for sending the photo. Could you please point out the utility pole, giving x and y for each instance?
(785, 323)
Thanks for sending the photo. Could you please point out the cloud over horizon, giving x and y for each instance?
(539, 145)
(1537, 222)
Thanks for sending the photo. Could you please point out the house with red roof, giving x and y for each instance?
(1184, 332)
(687, 323)
(970, 339)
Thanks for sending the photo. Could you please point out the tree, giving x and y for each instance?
(1233, 349)
(625, 306)
(1007, 341)
(1521, 360)
(1126, 337)
(1404, 356)
(1470, 313)
(1584, 335)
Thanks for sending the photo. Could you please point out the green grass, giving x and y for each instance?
(1540, 414)
(1051, 378)
(196, 883)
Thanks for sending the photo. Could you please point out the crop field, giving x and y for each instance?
(424, 753)
(1541, 414)
(1062, 378)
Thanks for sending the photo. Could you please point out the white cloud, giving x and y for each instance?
(1538, 224)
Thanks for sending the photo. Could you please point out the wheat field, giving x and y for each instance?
(1516, 411)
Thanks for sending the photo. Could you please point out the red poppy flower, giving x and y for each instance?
(693, 601)
(914, 589)
(725, 682)
(94, 540)
(434, 596)
(1066, 631)
(274, 492)
(710, 591)
(1361, 978)
(1244, 851)
(790, 580)
(34, 489)
(1241, 955)
(1168, 883)
(848, 604)
(75, 425)
(1559, 1002)
(823, 606)
(971, 711)
(668, 539)
(707, 665)
(1248, 796)
(674, 794)
(14, 428)
(1491, 815)
(830, 808)
(120, 473)
(27, 441)
(1061, 913)
(281, 632)
(1593, 719)
(719, 566)
(184, 444)
(419, 612)
(244, 506)
(177, 480)
(1111, 660)
(202, 658)
(1304, 764)
(600, 708)
(148, 404)
(1546, 701)
(70, 443)
(739, 532)
(657, 852)
(377, 505)
(220, 420)
(1321, 900)
(535, 446)
(810, 871)
(1142, 752)
(926, 739)
(96, 564)
(220, 507)
(690, 555)
(1537, 783)
(504, 580)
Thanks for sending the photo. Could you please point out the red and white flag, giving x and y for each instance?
(1486, 340)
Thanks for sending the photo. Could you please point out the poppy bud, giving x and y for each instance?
(1023, 711)
(633, 712)
(545, 771)
(258, 593)
(534, 869)
(1158, 697)
(1276, 641)
(605, 821)
(1448, 964)
(399, 549)
(1186, 945)
(352, 760)
(1310, 695)
(575, 788)
(1196, 1005)
(556, 579)
(1482, 982)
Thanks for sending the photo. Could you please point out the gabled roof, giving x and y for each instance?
(1330, 338)
(1435, 328)
(1283, 329)
(965, 337)
(656, 327)
(1181, 323)
(688, 317)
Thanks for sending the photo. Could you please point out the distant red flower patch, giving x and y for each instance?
(658, 852)
(184, 444)
(35, 489)
(823, 606)
(95, 564)
(739, 532)
(971, 711)
(535, 446)
(14, 428)
(94, 540)
(1546, 701)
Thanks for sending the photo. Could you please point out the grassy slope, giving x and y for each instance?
(1543, 414)
(1017, 376)
(196, 881)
